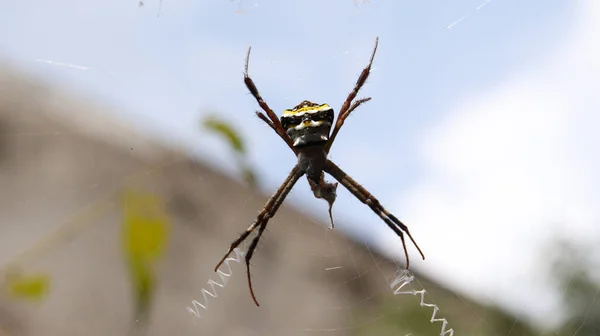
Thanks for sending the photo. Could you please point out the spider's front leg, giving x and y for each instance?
(367, 198)
(272, 119)
(262, 219)
(348, 106)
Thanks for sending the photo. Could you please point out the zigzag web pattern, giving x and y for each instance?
(195, 311)
(402, 279)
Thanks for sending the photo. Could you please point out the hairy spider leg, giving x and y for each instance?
(346, 107)
(274, 123)
(367, 198)
(262, 219)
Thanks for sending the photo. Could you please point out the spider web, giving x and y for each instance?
(345, 275)
(366, 292)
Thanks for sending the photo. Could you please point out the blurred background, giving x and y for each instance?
(130, 158)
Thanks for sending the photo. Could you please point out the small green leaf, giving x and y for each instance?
(32, 287)
(226, 130)
(236, 142)
(146, 229)
(146, 226)
(142, 275)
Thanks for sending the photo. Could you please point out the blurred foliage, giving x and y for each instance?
(573, 269)
(393, 319)
(29, 287)
(227, 131)
(500, 322)
(407, 317)
(146, 229)
(36, 287)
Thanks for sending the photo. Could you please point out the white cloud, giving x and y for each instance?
(509, 167)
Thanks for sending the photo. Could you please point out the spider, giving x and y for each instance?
(305, 129)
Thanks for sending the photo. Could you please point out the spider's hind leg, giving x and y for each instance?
(262, 219)
(367, 198)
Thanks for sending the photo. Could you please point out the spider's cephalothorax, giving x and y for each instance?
(305, 129)
(308, 124)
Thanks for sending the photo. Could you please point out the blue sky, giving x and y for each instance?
(478, 136)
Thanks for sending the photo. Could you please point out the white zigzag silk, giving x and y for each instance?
(404, 278)
(401, 280)
(195, 311)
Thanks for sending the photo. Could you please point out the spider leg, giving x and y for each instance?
(341, 119)
(251, 249)
(347, 108)
(262, 219)
(367, 198)
(275, 124)
(354, 106)
(264, 118)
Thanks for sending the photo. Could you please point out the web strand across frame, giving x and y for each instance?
(195, 311)
(402, 279)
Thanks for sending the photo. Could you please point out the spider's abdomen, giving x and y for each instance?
(308, 124)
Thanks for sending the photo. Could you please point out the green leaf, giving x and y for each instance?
(146, 226)
(143, 278)
(32, 287)
(226, 130)
(145, 234)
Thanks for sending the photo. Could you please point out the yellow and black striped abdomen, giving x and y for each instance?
(308, 124)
